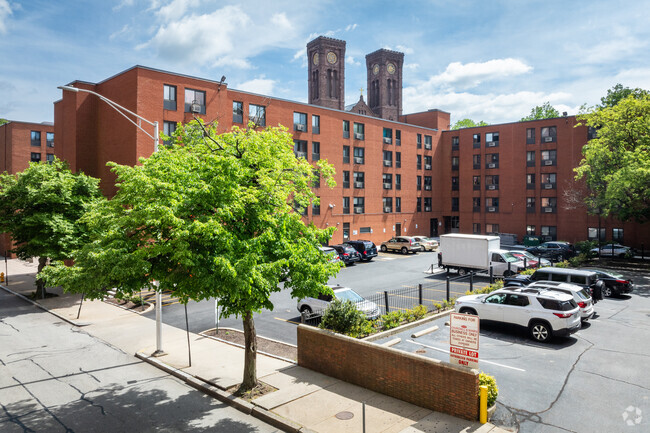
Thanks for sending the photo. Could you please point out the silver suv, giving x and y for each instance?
(320, 304)
(404, 244)
(545, 313)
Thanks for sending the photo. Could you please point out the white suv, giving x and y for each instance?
(580, 295)
(320, 304)
(545, 313)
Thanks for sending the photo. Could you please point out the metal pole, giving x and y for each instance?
(386, 300)
(420, 293)
(187, 327)
(447, 288)
(7, 269)
(159, 350)
(363, 412)
(80, 304)
(155, 136)
(491, 275)
(471, 281)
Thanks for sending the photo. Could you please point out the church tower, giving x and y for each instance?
(326, 59)
(385, 83)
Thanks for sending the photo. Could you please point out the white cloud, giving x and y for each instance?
(123, 3)
(5, 11)
(351, 61)
(261, 85)
(411, 66)
(351, 27)
(472, 74)
(619, 44)
(124, 30)
(405, 50)
(175, 8)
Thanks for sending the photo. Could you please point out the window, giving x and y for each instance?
(398, 181)
(49, 139)
(476, 141)
(194, 101)
(454, 204)
(530, 230)
(492, 182)
(300, 122)
(476, 228)
(237, 112)
(419, 141)
(530, 158)
(592, 234)
(359, 179)
(346, 129)
(388, 158)
(346, 231)
(315, 151)
(455, 141)
(398, 137)
(169, 97)
(427, 162)
(455, 224)
(315, 208)
(387, 179)
(346, 154)
(530, 136)
(592, 133)
(359, 206)
(492, 160)
(455, 162)
(427, 204)
(492, 204)
(548, 180)
(455, 183)
(617, 235)
(398, 204)
(419, 183)
(427, 142)
(549, 204)
(418, 205)
(398, 159)
(549, 134)
(530, 181)
(315, 124)
(476, 183)
(36, 139)
(168, 130)
(346, 205)
(365, 230)
(530, 204)
(427, 183)
(549, 157)
(359, 131)
(359, 155)
(316, 179)
(419, 162)
(476, 161)
(492, 229)
(549, 233)
(346, 179)
(257, 114)
(36, 157)
(492, 139)
(388, 204)
(388, 136)
(476, 204)
(300, 148)
(49, 158)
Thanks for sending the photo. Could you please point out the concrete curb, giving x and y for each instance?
(225, 397)
(406, 326)
(25, 298)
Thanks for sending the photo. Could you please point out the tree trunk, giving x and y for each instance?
(250, 354)
(40, 284)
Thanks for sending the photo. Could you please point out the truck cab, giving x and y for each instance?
(501, 259)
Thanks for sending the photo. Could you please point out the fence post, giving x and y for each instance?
(447, 288)
(386, 300)
(471, 281)
(509, 270)
(491, 275)
(420, 293)
(525, 263)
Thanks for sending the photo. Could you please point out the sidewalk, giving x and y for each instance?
(304, 401)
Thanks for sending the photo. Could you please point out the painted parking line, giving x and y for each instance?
(286, 320)
(480, 360)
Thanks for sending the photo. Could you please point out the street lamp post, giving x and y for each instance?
(124, 111)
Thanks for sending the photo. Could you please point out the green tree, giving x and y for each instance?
(3, 121)
(616, 164)
(468, 123)
(618, 93)
(41, 207)
(544, 111)
(209, 217)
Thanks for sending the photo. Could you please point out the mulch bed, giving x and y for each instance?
(127, 305)
(260, 390)
(265, 345)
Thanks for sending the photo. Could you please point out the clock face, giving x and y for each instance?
(375, 69)
(390, 68)
(331, 58)
(315, 58)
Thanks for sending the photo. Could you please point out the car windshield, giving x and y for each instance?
(510, 257)
(369, 244)
(583, 294)
(609, 274)
(528, 254)
(349, 295)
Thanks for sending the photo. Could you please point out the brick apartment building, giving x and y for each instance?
(395, 173)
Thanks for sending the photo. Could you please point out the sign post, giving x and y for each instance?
(463, 339)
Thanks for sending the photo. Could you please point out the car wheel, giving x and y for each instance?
(540, 332)
(462, 271)
(467, 311)
(383, 248)
(508, 274)
(607, 291)
(305, 309)
(405, 250)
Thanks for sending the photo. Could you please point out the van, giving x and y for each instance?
(584, 279)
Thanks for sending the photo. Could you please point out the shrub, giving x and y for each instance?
(364, 329)
(392, 320)
(416, 313)
(342, 317)
(584, 247)
(578, 260)
(437, 306)
(528, 271)
(491, 383)
(563, 264)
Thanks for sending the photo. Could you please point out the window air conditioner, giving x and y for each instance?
(427, 208)
(358, 160)
(548, 186)
(388, 140)
(358, 184)
(195, 107)
(427, 166)
(491, 144)
(358, 136)
(387, 210)
(387, 162)
(492, 187)
(358, 209)
(492, 165)
(548, 139)
(548, 162)
(492, 209)
(387, 185)
(427, 187)
(548, 209)
(301, 127)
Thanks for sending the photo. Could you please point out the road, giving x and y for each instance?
(389, 271)
(56, 378)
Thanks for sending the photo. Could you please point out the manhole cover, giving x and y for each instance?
(344, 415)
(420, 351)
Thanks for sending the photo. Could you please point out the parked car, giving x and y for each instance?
(545, 313)
(612, 250)
(347, 253)
(331, 253)
(555, 251)
(426, 243)
(580, 295)
(585, 279)
(404, 244)
(366, 249)
(531, 260)
(615, 283)
(318, 305)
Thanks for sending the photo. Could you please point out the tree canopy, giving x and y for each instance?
(618, 93)
(616, 164)
(544, 111)
(468, 123)
(212, 216)
(41, 207)
(3, 121)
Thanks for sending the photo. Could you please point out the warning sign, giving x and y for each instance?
(463, 339)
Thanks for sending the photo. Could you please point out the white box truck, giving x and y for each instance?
(464, 253)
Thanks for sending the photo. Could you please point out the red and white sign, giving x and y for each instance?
(463, 339)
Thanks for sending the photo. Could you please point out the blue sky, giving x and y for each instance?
(487, 60)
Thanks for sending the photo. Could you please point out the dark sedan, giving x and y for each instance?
(615, 283)
(366, 249)
(347, 253)
(554, 251)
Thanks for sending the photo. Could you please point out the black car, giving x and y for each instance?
(615, 283)
(366, 249)
(554, 251)
(347, 253)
